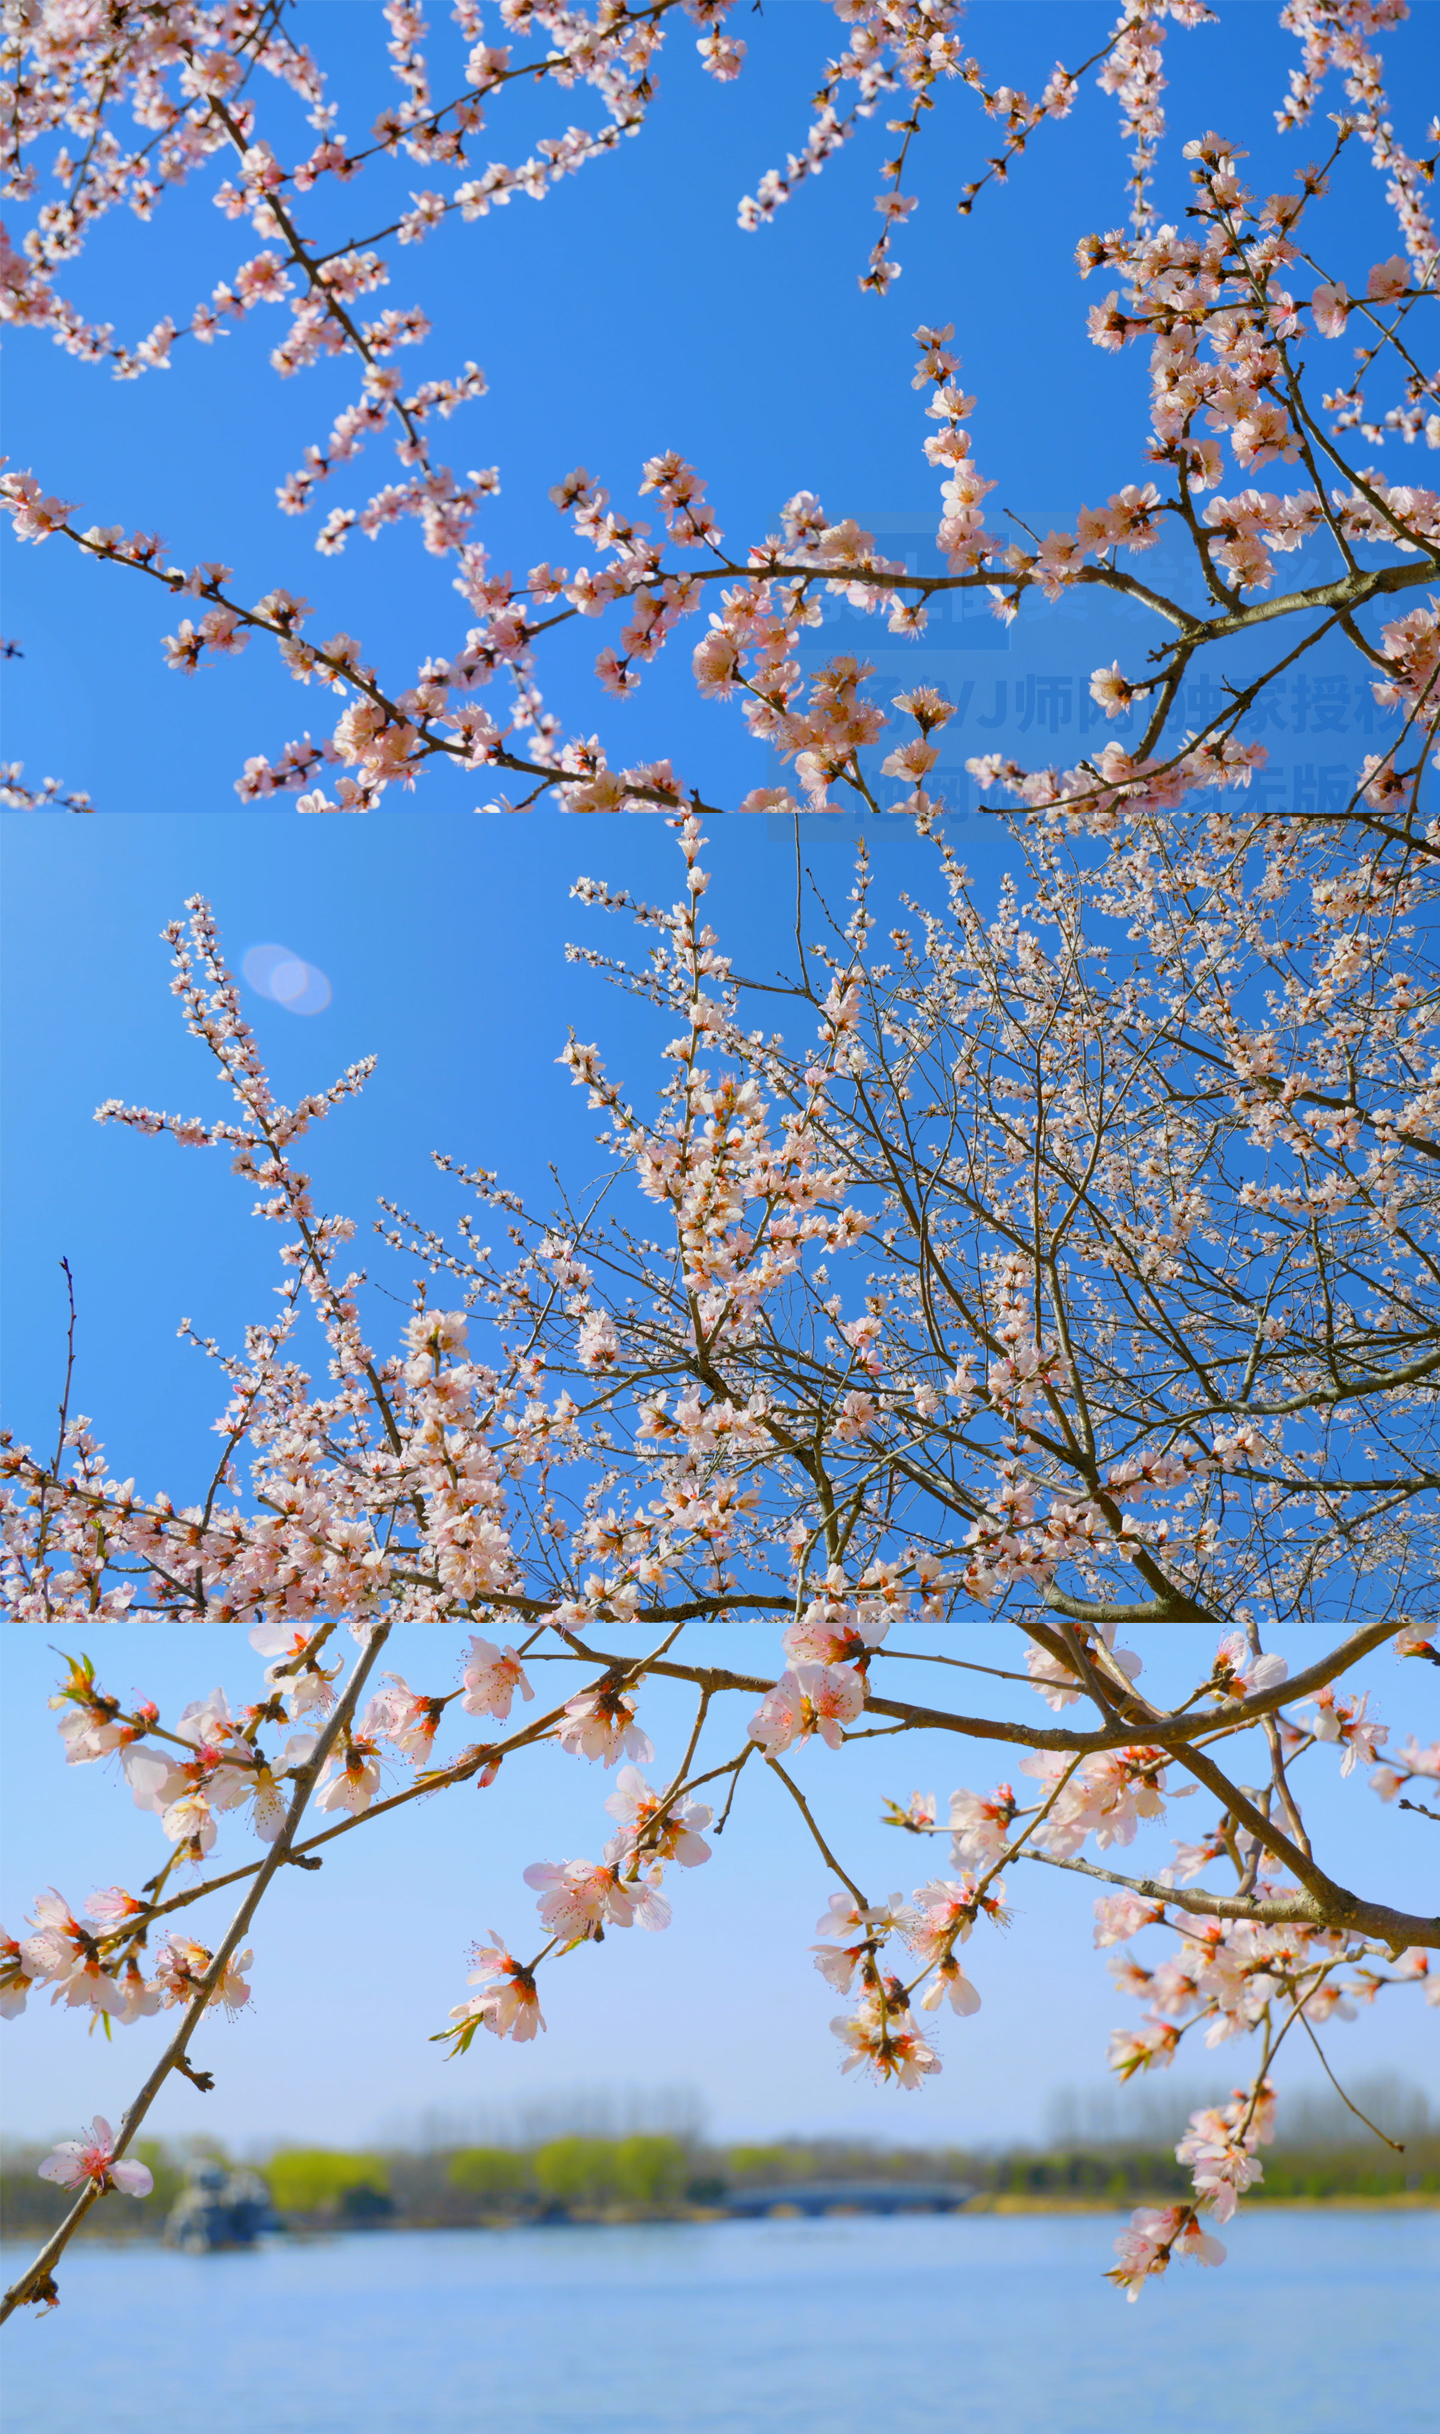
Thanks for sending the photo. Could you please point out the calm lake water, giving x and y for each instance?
(1319, 2324)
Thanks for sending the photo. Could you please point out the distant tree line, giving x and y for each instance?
(657, 2174)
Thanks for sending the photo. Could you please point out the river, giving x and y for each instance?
(1320, 2323)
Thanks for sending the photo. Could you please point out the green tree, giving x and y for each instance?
(638, 2171)
(651, 2170)
(578, 2171)
(766, 2164)
(312, 2180)
(488, 2172)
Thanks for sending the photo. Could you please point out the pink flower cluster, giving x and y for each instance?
(97, 1965)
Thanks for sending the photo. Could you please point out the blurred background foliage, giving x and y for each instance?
(1097, 2154)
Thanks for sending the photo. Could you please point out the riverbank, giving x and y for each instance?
(1399, 2201)
(664, 2179)
(121, 2231)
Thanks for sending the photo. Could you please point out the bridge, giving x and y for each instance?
(818, 2197)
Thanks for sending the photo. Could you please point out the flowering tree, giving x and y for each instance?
(1224, 329)
(1066, 1259)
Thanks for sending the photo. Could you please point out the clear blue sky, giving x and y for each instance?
(625, 315)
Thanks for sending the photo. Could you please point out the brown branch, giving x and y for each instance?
(37, 2279)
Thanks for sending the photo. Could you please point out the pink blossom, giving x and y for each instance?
(951, 1985)
(405, 1719)
(843, 1915)
(89, 1734)
(154, 1780)
(189, 1820)
(1409, 1761)
(1156, 2234)
(601, 1724)
(578, 1900)
(113, 1906)
(883, 2039)
(1219, 2148)
(35, 516)
(837, 1963)
(911, 761)
(1237, 1673)
(63, 1954)
(1130, 1978)
(671, 1834)
(1343, 1720)
(1147, 2048)
(833, 1631)
(944, 1912)
(1330, 305)
(837, 1960)
(981, 1827)
(299, 1678)
(1112, 690)
(357, 1780)
(1058, 1685)
(597, 1345)
(182, 1964)
(1118, 1916)
(511, 2007)
(1107, 1796)
(78, 2160)
(1193, 1858)
(1388, 280)
(270, 1804)
(492, 1676)
(1328, 2002)
(808, 1699)
(16, 1979)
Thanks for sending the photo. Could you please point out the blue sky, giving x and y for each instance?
(626, 315)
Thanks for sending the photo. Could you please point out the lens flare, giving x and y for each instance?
(286, 979)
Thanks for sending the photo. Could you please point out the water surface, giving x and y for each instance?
(1320, 2323)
